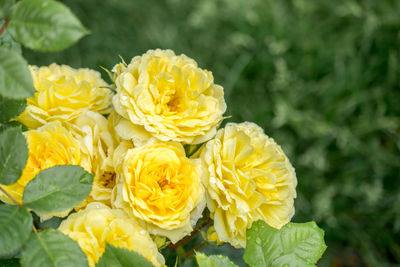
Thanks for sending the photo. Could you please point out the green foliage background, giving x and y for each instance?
(321, 77)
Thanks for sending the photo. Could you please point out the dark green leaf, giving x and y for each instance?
(121, 257)
(58, 188)
(7, 41)
(9, 262)
(13, 155)
(15, 78)
(44, 25)
(5, 6)
(12, 124)
(15, 228)
(52, 248)
(213, 261)
(10, 108)
(51, 223)
(296, 244)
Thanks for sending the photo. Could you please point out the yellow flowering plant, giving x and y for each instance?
(143, 176)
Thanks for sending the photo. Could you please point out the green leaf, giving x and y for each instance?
(15, 78)
(12, 124)
(10, 108)
(57, 189)
(13, 155)
(15, 228)
(44, 25)
(213, 261)
(5, 6)
(51, 223)
(52, 248)
(296, 244)
(121, 257)
(7, 41)
(9, 262)
(191, 150)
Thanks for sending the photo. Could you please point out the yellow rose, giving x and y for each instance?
(63, 93)
(168, 97)
(98, 224)
(160, 186)
(48, 146)
(248, 178)
(97, 144)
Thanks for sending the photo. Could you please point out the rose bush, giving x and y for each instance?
(152, 160)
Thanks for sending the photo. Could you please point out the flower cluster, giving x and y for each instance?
(135, 142)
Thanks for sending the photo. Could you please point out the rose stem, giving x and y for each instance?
(4, 26)
(198, 247)
(192, 234)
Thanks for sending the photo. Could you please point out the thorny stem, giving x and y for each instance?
(191, 235)
(10, 197)
(4, 26)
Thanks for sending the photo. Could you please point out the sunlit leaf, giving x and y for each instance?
(296, 244)
(58, 188)
(44, 25)
(213, 261)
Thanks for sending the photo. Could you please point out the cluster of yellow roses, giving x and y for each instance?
(132, 141)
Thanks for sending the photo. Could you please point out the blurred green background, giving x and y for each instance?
(321, 77)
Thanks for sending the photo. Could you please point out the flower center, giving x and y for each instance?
(108, 180)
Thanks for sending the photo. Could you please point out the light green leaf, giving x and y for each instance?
(15, 78)
(213, 261)
(57, 189)
(296, 244)
(10, 108)
(44, 25)
(52, 248)
(13, 155)
(121, 257)
(305, 240)
(7, 41)
(5, 6)
(15, 228)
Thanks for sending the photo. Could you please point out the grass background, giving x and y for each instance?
(321, 77)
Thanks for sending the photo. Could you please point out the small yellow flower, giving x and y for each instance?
(98, 224)
(160, 186)
(212, 236)
(63, 93)
(168, 97)
(248, 178)
(97, 145)
(48, 146)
